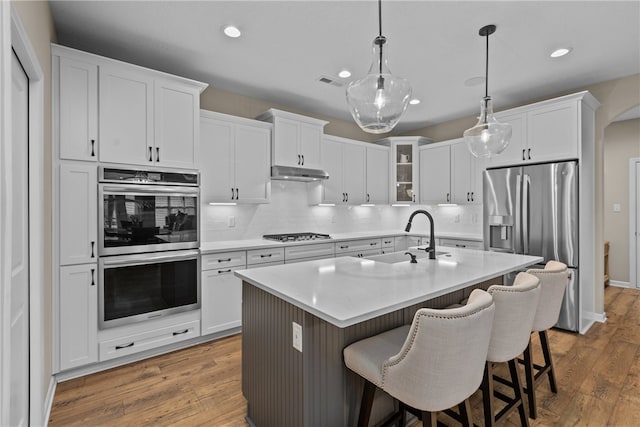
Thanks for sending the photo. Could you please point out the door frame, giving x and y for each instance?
(13, 36)
(634, 273)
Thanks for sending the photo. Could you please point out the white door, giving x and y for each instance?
(434, 174)
(377, 175)
(19, 344)
(331, 155)
(216, 162)
(252, 164)
(353, 173)
(460, 173)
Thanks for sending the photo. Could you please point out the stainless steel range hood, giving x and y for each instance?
(290, 173)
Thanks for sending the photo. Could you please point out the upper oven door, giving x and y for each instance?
(139, 218)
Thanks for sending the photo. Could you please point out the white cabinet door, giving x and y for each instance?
(478, 167)
(126, 116)
(552, 132)
(78, 315)
(78, 110)
(78, 213)
(221, 295)
(216, 162)
(285, 142)
(353, 173)
(516, 151)
(435, 174)
(309, 144)
(405, 184)
(460, 173)
(252, 167)
(176, 125)
(331, 155)
(377, 171)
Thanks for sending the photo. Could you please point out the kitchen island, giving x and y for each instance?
(337, 302)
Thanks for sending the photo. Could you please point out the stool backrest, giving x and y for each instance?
(553, 282)
(515, 309)
(441, 362)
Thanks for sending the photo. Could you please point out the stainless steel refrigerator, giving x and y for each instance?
(533, 210)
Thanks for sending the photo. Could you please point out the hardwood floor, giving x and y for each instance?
(598, 378)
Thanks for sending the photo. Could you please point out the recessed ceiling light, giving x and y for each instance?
(474, 81)
(232, 31)
(414, 101)
(344, 74)
(560, 52)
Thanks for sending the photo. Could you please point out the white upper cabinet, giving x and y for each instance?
(234, 161)
(377, 171)
(435, 173)
(78, 204)
(295, 139)
(126, 116)
(466, 174)
(543, 132)
(77, 94)
(122, 113)
(345, 162)
(176, 124)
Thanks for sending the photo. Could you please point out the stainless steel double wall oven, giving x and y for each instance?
(149, 261)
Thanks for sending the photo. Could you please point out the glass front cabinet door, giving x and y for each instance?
(404, 168)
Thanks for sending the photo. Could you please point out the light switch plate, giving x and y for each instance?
(616, 207)
(297, 336)
(231, 221)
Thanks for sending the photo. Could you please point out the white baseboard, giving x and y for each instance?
(620, 284)
(48, 403)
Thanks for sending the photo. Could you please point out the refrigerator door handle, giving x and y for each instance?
(526, 183)
(517, 235)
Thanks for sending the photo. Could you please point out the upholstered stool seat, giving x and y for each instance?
(515, 310)
(434, 364)
(553, 281)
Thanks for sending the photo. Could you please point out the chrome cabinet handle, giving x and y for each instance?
(157, 154)
(93, 144)
(120, 347)
(93, 244)
(180, 332)
(93, 282)
(150, 154)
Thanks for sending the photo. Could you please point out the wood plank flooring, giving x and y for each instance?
(598, 378)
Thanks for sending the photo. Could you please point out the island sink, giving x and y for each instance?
(398, 257)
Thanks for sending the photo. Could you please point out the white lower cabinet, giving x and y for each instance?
(359, 248)
(309, 252)
(461, 243)
(147, 340)
(221, 295)
(78, 307)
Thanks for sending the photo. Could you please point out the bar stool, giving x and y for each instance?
(515, 310)
(553, 282)
(431, 365)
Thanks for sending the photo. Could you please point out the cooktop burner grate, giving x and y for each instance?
(296, 237)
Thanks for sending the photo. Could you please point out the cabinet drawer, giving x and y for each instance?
(357, 245)
(362, 253)
(460, 243)
(147, 340)
(316, 251)
(261, 256)
(224, 260)
(388, 242)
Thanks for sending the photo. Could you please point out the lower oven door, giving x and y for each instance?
(135, 288)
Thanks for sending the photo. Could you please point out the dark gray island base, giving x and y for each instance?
(285, 387)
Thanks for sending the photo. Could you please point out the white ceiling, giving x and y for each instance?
(287, 45)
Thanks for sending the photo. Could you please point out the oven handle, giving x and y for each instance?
(147, 258)
(148, 189)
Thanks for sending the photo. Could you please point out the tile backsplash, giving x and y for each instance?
(289, 212)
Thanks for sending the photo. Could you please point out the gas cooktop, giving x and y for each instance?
(296, 237)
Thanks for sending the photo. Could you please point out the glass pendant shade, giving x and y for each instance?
(488, 137)
(378, 100)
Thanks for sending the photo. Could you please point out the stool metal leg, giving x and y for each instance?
(366, 404)
(530, 381)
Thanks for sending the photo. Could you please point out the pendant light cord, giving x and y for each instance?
(486, 69)
(380, 31)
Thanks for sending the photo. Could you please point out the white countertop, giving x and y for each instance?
(345, 291)
(248, 244)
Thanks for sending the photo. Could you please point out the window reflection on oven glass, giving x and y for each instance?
(149, 219)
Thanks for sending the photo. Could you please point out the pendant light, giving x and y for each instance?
(488, 137)
(378, 100)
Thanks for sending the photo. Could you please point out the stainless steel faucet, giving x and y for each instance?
(431, 250)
